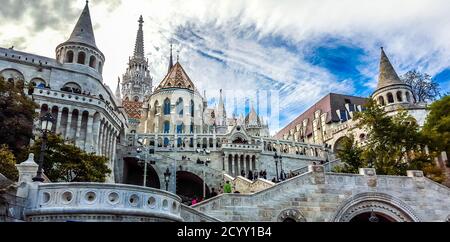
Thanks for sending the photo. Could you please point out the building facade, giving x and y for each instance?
(70, 86)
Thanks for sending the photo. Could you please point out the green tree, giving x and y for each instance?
(350, 155)
(8, 163)
(17, 112)
(68, 163)
(395, 143)
(437, 125)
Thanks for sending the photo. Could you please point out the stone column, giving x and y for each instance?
(78, 128)
(89, 141)
(98, 142)
(69, 124)
(58, 121)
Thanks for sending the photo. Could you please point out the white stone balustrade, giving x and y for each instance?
(101, 202)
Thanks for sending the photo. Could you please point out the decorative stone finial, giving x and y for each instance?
(27, 169)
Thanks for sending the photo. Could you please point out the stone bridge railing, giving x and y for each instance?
(244, 185)
(101, 202)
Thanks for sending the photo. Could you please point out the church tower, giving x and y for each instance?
(136, 82)
(80, 49)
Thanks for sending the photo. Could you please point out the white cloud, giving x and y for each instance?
(414, 32)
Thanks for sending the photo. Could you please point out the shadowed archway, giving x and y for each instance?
(190, 186)
(133, 173)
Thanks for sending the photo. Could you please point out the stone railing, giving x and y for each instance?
(101, 202)
(74, 97)
(242, 147)
(244, 185)
(191, 215)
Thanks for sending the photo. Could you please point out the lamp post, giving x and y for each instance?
(46, 127)
(146, 150)
(281, 167)
(275, 157)
(204, 152)
(167, 178)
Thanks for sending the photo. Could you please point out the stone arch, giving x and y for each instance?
(12, 75)
(399, 96)
(339, 142)
(69, 56)
(390, 97)
(81, 58)
(381, 101)
(71, 87)
(190, 185)
(291, 215)
(408, 97)
(239, 138)
(92, 60)
(380, 203)
(38, 82)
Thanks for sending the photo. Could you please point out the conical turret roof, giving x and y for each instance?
(83, 31)
(387, 76)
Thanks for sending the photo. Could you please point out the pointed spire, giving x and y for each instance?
(170, 59)
(139, 46)
(118, 89)
(387, 76)
(83, 31)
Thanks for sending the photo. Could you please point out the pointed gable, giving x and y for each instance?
(176, 78)
(387, 76)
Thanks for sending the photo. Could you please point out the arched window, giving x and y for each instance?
(69, 56)
(408, 97)
(81, 58)
(192, 108)
(38, 83)
(167, 106)
(156, 107)
(390, 98)
(92, 61)
(399, 96)
(166, 127)
(179, 106)
(192, 128)
(381, 100)
(180, 128)
(72, 87)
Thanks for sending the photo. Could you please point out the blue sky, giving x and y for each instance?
(295, 51)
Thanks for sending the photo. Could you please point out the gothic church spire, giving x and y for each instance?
(139, 46)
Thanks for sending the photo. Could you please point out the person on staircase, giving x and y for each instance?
(227, 187)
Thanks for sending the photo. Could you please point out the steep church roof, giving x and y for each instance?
(252, 119)
(83, 31)
(387, 76)
(176, 78)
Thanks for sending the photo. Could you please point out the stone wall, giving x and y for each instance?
(319, 196)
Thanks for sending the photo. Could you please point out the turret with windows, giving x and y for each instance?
(80, 48)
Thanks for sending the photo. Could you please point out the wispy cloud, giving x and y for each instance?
(300, 49)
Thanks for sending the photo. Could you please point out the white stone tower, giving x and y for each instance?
(80, 49)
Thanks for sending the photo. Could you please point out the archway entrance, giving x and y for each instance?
(134, 173)
(190, 186)
(339, 144)
(371, 217)
(289, 220)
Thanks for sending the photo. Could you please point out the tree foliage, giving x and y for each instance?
(350, 156)
(437, 125)
(394, 145)
(68, 163)
(8, 163)
(17, 112)
(424, 88)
